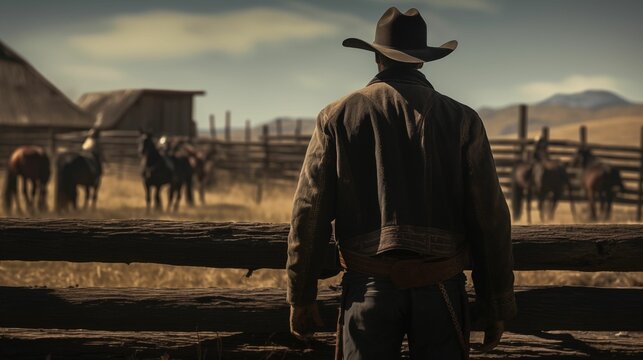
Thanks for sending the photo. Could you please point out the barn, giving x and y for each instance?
(161, 112)
(32, 109)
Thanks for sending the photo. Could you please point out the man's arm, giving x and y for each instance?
(488, 229)
(313, 212)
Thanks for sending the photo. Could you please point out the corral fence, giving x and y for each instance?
(277, 157)
(101, 322)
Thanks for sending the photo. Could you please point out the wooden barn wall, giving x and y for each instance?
(160, 114)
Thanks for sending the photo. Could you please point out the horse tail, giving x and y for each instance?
(10, 189)
(516, 197)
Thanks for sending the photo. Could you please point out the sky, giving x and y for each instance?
(271, 58)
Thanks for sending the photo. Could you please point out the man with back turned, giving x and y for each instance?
(408, 177)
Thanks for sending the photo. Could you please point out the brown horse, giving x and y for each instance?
(82, 168)
(32, 164)
(599, 181)
(547, 180)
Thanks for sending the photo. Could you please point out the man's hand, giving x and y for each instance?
(492, 335)
(304, 319)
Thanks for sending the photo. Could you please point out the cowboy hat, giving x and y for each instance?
(402, 37)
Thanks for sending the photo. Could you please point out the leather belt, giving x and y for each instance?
(407, 273)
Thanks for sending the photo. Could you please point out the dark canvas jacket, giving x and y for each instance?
(398, 165)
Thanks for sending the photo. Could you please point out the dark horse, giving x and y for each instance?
(32, 164)
(160, 169)
(544, 178)
(79, 168)
(184, 150)
(599, 181)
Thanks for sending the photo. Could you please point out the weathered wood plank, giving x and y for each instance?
(81, 344)
(616, 247)
(232, 310)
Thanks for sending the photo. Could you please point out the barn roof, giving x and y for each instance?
(28, 99)
(109, 107)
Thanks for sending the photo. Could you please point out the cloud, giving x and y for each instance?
(174, 34)
(485, 6)
(310, 81)
(574, 83)
(92, 72)
(469, 5)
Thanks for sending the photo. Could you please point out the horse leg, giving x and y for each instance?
(42, 196)
(170, 196)
(609, 197)
(178, 197)
(147, 197)
(87, 193)
(202, 188)
(34, 187)
(95, 195)
(74, 198)
(592, 205)
(25, 193)
(157, 198)
(17, 200)
(554, 203)
(528, 205)
(541, 202)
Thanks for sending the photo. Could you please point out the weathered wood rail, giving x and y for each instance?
(261, 245)
(252, 312)
(265, 310)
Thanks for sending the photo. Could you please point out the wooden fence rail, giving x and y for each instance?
(252, 311)
(263, 245)
(266, 310)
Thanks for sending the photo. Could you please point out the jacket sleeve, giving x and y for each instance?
(488, 229)
(312, 214)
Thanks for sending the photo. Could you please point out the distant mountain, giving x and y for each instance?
(560, 109)
(589, 99)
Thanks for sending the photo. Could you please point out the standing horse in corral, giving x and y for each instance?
(184, 151)
(599, 181)
(158, 170)
(82, 168)
(544, 178)
(32, 164)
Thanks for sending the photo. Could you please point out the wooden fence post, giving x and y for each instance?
(213, 129)
(544, 133)
(266, 163)
(246, 155)
(522, 131)
(248, 132)
(279, 126)
(582, 134)
(639, 206)
(228, 120)
(297, 130)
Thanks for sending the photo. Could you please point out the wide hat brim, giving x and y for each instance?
(425, 54)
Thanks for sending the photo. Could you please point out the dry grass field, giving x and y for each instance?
(123, 198)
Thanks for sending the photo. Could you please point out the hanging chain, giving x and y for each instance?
(454, 318)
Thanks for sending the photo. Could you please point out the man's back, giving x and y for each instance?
(407, 173)
(401, 152)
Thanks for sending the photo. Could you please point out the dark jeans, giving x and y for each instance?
(376, 315)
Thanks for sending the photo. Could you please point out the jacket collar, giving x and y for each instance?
(409, 76)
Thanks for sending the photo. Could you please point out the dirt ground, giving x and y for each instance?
(123, 197)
